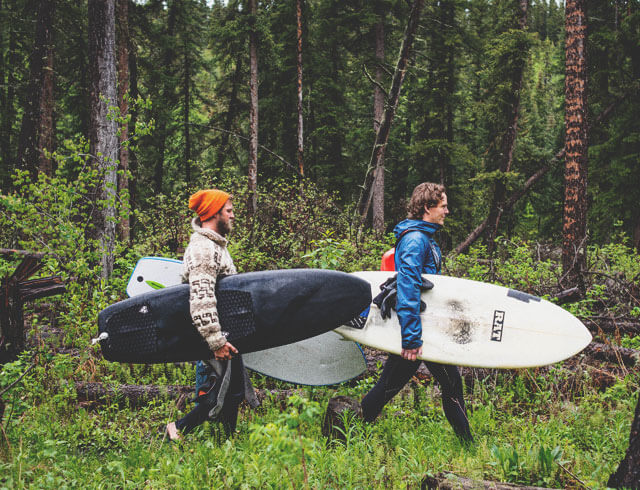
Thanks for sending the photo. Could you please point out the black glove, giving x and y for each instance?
(426, 285)
(386, 300)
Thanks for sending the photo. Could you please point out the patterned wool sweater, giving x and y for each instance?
(205, 259)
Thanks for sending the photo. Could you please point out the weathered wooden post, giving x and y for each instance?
(15, 290)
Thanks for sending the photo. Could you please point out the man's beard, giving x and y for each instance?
(224, 227)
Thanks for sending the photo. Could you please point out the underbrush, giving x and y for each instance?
(548, 426)
(522, 435)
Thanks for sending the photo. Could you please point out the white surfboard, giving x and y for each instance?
(476, 324)
(326, 359)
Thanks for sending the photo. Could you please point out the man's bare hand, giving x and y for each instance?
(225, 352)
(411, 354)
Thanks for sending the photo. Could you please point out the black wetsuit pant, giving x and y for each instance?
(398, 371)
(229, 413)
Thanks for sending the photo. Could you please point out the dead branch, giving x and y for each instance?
(603, 116)
(374, 82)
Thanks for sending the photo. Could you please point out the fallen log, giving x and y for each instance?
(136, 395)
(139, 395)
(612, 325)
(451, 481)
(596, 351)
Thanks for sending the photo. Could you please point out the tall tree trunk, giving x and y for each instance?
(231, 113)
(123, 41)
(103, 137)
(507, 146)
(628, 473)
(252, 205)
(378, 112)
(574, 227)
(133, 162)
(380, 145)
(449, 18)
(4, 159)
(168, 95)
(46, 125)
(8, 108)
(40, 84)
(186, 108)
(300, 139)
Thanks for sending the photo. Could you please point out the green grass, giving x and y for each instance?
(54, 443)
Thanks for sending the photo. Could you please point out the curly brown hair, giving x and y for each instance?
(425, 195)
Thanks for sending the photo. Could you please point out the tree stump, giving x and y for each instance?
(339, 408)
(15, 290)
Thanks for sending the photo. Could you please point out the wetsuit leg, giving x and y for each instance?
(396, 373)
(229, 414)
(235, 395)
(452, 397)
(194, 418)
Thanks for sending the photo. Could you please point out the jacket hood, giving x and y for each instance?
(417, 224)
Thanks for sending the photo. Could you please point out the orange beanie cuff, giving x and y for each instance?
(208, 202)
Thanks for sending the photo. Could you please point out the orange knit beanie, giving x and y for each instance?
(208, 202)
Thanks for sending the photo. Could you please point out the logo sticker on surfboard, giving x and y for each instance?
(498, 326)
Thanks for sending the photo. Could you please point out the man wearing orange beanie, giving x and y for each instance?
(206, 258)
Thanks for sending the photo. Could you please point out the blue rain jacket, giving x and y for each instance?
(414, 256)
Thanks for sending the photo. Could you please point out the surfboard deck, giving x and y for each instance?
(476, 324)
(151, 273)
(258, 310)
(325, 359)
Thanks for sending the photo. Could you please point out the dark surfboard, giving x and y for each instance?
(257, 310)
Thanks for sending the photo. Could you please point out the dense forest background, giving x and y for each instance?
(320, 116)
(473, 63)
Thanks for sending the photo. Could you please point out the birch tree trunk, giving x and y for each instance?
(103, 139)
(574, 229)
(252, 205)
(300, 138)
(378, 112)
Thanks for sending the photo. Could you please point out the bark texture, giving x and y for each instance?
(252, 205)
(300, 134)
(574, 226)
(103, 137)
(378, 112)
(124, 42)
(380, 145)
(35, 122)
(628, 473)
